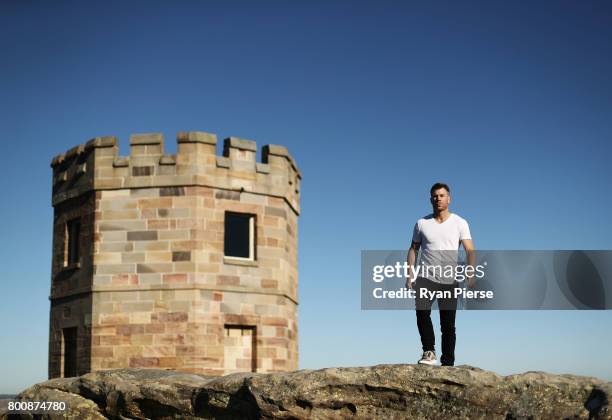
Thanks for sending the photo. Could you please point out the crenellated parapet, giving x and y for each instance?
(97, 165)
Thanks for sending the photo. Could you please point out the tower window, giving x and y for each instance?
(69, 347)
(239, 235)
(73, 228)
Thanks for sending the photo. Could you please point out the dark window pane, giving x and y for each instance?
(237, 235)
(70, 352)
(74, 227)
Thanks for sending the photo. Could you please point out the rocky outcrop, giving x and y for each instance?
(383, 391)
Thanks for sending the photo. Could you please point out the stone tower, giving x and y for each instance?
(185, 261)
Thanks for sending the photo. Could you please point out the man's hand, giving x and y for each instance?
(471, 282)
(409, 283)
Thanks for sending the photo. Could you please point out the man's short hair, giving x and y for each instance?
(437, 186)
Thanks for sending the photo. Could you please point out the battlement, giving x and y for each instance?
(97, 165)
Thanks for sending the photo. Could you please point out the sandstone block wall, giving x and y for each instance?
(153, 287)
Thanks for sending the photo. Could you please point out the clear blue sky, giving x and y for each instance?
(508, 102)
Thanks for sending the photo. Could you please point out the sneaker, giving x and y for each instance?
(428, 358)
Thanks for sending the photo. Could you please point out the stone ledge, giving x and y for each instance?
(70, 267)
(401, 391)
(275, 150)
(100, 142)
(240, 261)
(238, 143)
(146, 138)
(191, 286)
(159, 181)
(97, 142)
(196, 137)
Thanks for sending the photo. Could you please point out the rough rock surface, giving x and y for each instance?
(382, 391)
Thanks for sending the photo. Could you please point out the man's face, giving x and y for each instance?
(440, 199)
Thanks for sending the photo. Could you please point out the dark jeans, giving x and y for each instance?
(448, 309)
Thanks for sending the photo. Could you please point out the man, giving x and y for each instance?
(438, 235)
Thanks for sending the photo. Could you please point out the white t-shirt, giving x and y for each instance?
(439, 245)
